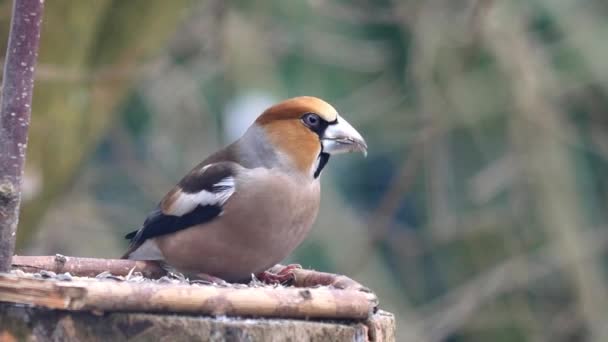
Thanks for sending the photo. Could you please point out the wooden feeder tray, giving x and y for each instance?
(109, 286)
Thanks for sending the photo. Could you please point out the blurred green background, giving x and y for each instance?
(479, 214)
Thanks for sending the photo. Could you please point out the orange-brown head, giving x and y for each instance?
(308, 130)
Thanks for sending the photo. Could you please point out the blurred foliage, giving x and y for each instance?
(87, 52)
(478, 215)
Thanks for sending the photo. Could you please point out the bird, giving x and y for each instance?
(248, 206)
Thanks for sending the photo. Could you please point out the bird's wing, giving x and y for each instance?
(198, 198)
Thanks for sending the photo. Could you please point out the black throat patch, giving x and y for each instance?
(323, 159)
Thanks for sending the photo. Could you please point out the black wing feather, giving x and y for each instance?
(199, 179)
(158, 224)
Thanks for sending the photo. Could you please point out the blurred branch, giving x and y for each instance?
(566, 326)
(107, 37)
(383, 216)
(448, 313)
(548, 165)
(345, 52)
(401, 182)
(468, 226)
(353, 14)
(15, 110)
(362, 103)
(427, 62)
(581, 28)
(492, 180)
(59, 73)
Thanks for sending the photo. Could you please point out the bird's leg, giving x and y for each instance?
(194, 277)
(280, 276)
(207, 278)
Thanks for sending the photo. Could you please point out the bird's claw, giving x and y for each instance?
(204, 278)
(283, 275)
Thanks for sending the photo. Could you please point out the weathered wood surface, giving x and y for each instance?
(85, 267)
(326, 307)
(86, 294)
(15, 110)
(20, 323)
(90, 267)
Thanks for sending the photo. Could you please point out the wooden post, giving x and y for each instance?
(318, 307)
(22, 323)
(15, 110)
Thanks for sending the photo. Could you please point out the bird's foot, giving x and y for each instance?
(205, 278)
(176, 275)
(192, 277)
(281, 276)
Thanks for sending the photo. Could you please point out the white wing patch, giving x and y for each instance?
(185, 202)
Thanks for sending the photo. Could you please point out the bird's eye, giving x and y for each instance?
(311, 120)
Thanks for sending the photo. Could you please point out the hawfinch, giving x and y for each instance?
(248, 206)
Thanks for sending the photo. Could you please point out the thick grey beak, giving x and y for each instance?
(341, 137)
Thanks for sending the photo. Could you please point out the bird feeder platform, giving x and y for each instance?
(85, 299)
